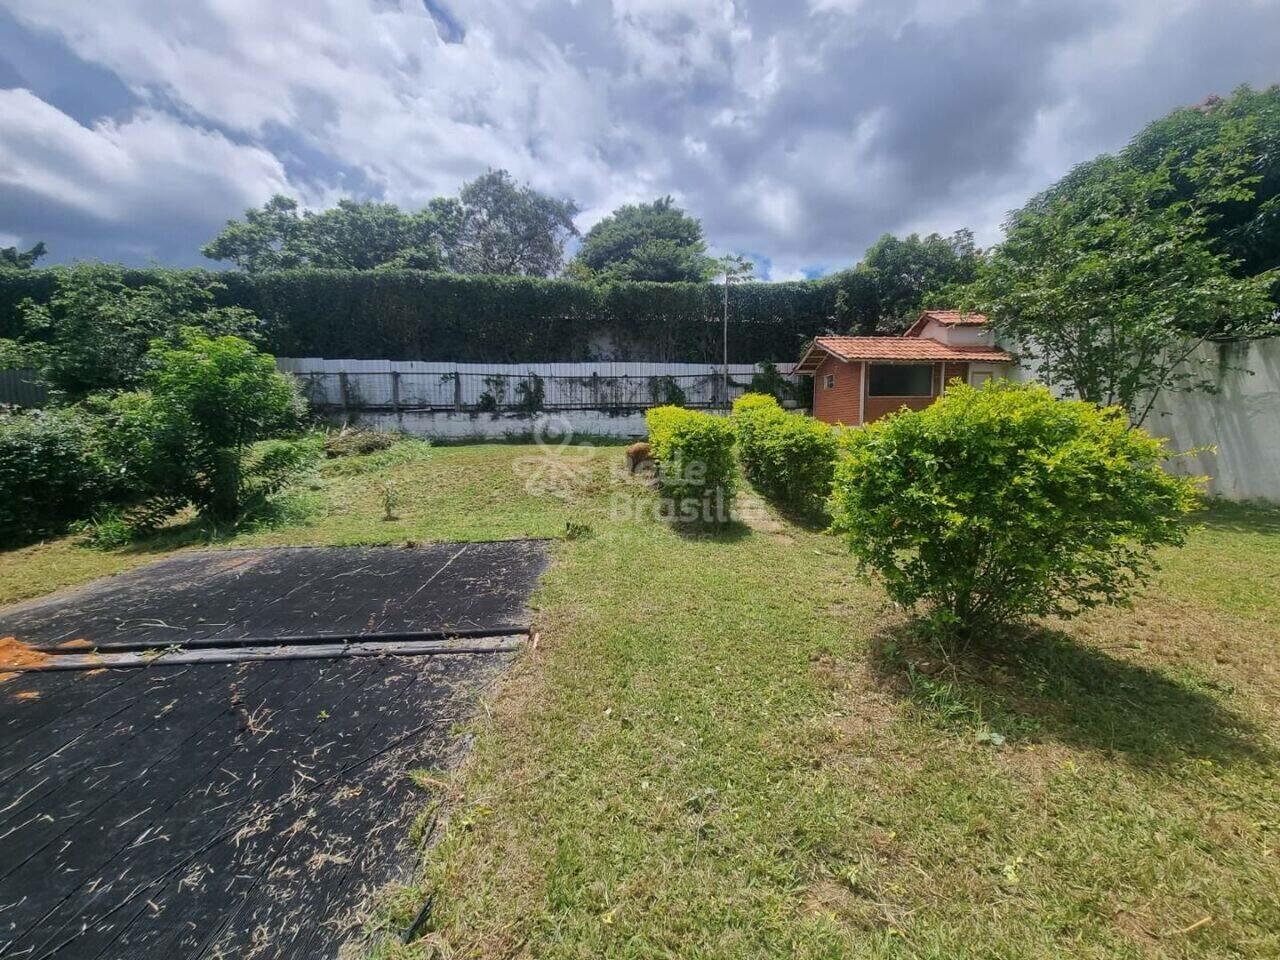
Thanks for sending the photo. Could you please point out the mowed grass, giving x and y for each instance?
(730, 746)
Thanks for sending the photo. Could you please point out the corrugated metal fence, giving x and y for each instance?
(21, 388)
(515, 388)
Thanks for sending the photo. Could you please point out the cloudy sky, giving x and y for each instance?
(798, 130)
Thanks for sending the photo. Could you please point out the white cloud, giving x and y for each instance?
(111, 170)
(151, 173)
(799, 132)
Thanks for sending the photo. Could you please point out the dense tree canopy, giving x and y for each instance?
(1224, 156)
(1112, 284)
(647, 241)
(17, 259)
(493, 226)
(895, 278)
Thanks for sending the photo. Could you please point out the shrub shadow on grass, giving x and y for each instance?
(811, 521)
(1258, 518)
(731, 532)
(1049, 686)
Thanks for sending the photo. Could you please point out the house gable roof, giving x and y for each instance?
(948, 318)
(894, 349)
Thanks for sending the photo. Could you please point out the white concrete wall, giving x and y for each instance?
(959, 335)
(1232, 437)
(1237, 429)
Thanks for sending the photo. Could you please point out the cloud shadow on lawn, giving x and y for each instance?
(1050, 686)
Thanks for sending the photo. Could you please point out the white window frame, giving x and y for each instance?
(828, 381)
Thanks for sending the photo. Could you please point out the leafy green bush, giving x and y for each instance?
(194, 435)
(749, 412)
(789, 457)
(694, 452)
(996, 504)
(51, 472)
(770, 381)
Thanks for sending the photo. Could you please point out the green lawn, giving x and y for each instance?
(731, 746)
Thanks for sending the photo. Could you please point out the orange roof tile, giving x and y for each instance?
(953, 317)
(948, 318)
(901, 348)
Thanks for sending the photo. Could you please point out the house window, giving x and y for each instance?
(900, 380)
(829, 381)
(979, 377)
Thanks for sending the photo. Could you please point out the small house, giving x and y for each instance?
(860, 379)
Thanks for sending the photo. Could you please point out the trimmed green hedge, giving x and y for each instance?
(789, 457)
(696, 470)
(411, 315)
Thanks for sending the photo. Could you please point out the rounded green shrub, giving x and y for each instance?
(1002, 503)
(694, 453)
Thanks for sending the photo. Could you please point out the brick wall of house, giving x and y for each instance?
(841, 403)
(877, 407)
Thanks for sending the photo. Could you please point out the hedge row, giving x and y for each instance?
(788, 456)
(694, 452)
(411, 315)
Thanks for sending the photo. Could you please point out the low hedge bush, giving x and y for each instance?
(750, 412)
(696, 469)
(789, 457)
(1002, 503)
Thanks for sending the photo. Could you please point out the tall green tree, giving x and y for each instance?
(493, 226)
(367, 235)
(1111, 282)
(1224, 156)
(647, 241)
(895, 278)
(16, 259)
(499, 226)
(265, 240)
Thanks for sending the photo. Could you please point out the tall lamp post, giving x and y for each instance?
(735, 268)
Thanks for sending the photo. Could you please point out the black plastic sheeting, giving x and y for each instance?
(291, 593)
(217, 810)
(230, 799)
